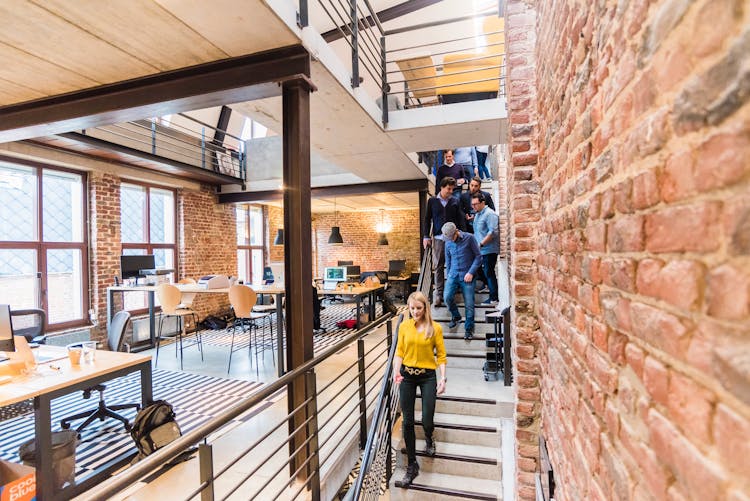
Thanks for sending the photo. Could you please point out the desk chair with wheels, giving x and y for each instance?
(243, 298)
(170, 299)
(115, 342)
(30, 324)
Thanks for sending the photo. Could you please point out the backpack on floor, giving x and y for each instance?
(154, 427)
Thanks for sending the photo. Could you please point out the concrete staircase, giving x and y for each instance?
(468, 426)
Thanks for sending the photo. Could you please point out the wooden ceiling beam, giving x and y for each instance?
(217, 83)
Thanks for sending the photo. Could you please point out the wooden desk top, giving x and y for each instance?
(356, 291)
(46, 379)
(195, 289)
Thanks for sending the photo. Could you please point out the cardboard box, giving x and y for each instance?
(17, 482)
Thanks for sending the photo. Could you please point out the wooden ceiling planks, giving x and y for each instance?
(142, 29)
(51, 38)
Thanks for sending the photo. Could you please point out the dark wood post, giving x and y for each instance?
(297, 257)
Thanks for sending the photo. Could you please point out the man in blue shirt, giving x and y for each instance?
(485, 231)
(462, 260)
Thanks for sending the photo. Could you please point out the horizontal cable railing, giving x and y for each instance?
(287, 457)
(191, 145)
(376, 464)
(448, 69)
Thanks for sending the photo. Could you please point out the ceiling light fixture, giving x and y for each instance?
(382, 229)
(335, 238)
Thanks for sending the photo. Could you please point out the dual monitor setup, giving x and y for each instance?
(141, 265)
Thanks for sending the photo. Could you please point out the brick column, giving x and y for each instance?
(522, 177)
(105, 242)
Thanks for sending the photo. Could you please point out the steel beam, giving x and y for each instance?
(404, 186)
(232, 80)
(297, 260)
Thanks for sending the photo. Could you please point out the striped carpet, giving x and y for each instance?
(102, 440)
(195, 398)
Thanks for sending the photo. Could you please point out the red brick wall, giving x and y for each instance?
(207, 242)
(640, 316)
(275, 220)
(104, 257)
(361, 237)
(523, 212)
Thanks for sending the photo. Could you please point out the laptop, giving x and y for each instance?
(329, 285)
(6, 332)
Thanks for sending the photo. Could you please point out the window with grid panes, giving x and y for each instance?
(43, 248)
(147, 226)
(250, 250)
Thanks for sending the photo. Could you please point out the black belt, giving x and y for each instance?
(416, 371)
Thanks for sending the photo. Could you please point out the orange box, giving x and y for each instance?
(17, 482)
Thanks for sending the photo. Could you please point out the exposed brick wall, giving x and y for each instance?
(104, 238)
(275, 220)
(523, 215)
(207, 242)
(206, 237)
(360, 240)
(643, 293)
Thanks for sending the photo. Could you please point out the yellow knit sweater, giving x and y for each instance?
(415, 350)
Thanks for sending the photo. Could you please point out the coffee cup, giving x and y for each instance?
(74, 354)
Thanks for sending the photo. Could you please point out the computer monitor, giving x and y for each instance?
(335, 273)
(131, 266)
(352, 271)
(345, 263)
(6, 329)
(395, 267)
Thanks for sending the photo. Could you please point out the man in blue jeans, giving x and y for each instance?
(485, 231)
(462, 260)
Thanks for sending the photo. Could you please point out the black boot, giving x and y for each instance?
(429, 447)
(412, 470)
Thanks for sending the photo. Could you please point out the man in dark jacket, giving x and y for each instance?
(454, 170)
(475, 186)
(441, 209)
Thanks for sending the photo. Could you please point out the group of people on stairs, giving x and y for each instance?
(462, 229)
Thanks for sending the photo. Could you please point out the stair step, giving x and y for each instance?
(442, 486)
(463, 422)
(462, 405)
(479, 454)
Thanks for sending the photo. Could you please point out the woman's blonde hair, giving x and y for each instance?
(429, 331)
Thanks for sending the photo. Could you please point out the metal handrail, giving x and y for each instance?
(383, 409)
(483, 68)
(441, 22)
(459, 83)
(171, 451)
(442, 42)
(212, 127)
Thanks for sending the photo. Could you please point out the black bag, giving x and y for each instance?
(214, 323)
(154, 427)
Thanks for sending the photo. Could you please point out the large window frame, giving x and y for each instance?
(148, 246)
(246, 250)
(41, 247)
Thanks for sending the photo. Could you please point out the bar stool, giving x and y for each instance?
(243, 298)
(170, 298)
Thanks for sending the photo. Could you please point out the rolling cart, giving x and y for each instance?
(497, 357)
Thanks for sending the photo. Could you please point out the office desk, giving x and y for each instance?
(190, 290)
(47, 384)
(359, 293)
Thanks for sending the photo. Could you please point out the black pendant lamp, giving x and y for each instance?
(335, 238)
(279, 240)
(383, 239)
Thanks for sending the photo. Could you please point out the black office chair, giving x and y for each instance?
(116, 342)
(317, 308)
(268, 277)
(30, 324)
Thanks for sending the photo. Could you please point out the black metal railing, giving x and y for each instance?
(328, 420)
(377, 459)
(453, 70)
(192, 144)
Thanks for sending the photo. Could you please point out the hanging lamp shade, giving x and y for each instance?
(383, 239)
(279, 240)
(335, 238)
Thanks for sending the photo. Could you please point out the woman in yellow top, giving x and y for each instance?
(419, 352)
